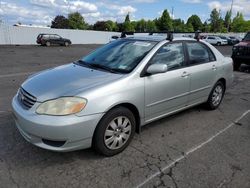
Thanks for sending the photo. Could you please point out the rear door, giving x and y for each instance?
(203, 71)
(167, 92)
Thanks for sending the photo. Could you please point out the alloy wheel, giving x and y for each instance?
(117, 133)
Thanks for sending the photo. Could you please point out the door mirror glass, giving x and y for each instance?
(157, 68)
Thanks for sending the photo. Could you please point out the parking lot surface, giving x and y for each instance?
(194, 148)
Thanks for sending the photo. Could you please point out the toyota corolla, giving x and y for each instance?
(102, 99)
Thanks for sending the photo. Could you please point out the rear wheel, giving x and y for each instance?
(216, 96)
(114, 132)
(47, 43)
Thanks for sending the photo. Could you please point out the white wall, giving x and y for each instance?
(27, 35)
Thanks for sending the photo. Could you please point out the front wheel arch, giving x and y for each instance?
(134, 110)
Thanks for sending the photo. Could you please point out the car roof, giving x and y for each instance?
(47, 34)
(158, 38)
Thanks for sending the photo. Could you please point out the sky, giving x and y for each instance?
(41, 12)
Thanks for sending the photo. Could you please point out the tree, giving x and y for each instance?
(141, 26)
(189, 27)
(60, 22)
(151, 26)
(105, 26)
(100, 26)
(195, 21)
(127, 26)
(206, 27)
(228, 20)
(215, 21)
(76, 21)
(165, 22)
(239, 24)
(178, 25)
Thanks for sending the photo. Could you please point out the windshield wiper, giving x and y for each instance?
(98, 66)
(81, 62)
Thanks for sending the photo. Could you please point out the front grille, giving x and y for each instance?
(26, 99)
(247, 50)
(244, 50)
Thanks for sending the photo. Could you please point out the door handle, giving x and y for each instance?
(214, 67)
(185, 74)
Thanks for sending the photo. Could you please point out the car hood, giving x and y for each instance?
(243, 43)
(66, 80)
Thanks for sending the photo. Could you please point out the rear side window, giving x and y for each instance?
(199, 53)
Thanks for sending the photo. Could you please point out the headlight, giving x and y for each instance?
(234, 48)
(62, 106)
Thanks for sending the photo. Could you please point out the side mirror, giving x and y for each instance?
(157, 68)
(115, 37)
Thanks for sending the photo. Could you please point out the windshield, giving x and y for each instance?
(247, 37)
(120, 56)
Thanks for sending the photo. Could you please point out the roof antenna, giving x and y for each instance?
(197, 35)
(170, 36)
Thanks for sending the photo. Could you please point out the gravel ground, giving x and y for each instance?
(194, 148)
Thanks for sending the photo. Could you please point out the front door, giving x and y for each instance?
(167, 92)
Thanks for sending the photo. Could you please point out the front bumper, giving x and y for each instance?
(72, 131)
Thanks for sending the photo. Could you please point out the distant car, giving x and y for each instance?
(235, 40)
(103, 98)
(51, 39)
(215, 40)
(229, 40)
(241, 52)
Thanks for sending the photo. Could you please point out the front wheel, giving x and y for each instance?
(216, 96)
(218, 44)
(114, 131)
(66, 44)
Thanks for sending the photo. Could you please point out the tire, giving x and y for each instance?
(47, 43)
(236, 65)
(216, 96)
(66, 44)
(114, 131)
(218, 43)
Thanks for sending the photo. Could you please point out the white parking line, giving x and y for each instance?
(16, 74)
(2, 112)
(191, 150)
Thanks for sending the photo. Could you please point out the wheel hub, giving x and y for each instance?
(117, 132)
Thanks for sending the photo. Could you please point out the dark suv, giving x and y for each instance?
(241, 52)
(49, 39)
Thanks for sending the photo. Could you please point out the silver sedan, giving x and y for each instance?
(102, 99)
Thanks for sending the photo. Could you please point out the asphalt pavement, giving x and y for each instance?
(194, 148)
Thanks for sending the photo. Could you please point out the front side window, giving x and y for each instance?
(199, 53)
(54, 36)
(121, 56)
(170, 54)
